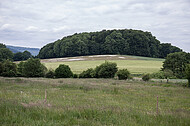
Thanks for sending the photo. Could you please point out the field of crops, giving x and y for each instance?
(92, 102)
(135, 64)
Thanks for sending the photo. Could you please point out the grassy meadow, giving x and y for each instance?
(92, 102)
(136, 65)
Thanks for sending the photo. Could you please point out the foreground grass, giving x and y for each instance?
(92, 102)
(135, 64)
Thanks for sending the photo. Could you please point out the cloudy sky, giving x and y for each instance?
(34, 23)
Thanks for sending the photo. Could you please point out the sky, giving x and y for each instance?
(35, 23)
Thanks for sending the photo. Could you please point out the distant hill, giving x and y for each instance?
(124, 42)
(15, 49)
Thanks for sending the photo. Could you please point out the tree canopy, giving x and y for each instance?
(8, 68)
(20, 56)
(32, 68)
(176, 62)
(5, 53)
(126, 42)
(63, 71)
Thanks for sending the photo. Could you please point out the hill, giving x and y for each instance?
(124, 42)
(15, 49)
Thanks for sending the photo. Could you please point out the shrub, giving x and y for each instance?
(106, 70)
(20, 68)
(33, 68)
(8, 69)
(63, 71)
(75, 75)
(123, 74)
(146, 77)
(157, 75)
(50, 74)
(87, 73)
(168, 74)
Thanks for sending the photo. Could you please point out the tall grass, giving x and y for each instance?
(92, 102)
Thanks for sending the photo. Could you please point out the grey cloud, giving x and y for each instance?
(36, 23)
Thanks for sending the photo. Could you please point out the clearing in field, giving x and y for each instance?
(92, 102)
(135, 64)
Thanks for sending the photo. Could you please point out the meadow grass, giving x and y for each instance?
(92, 102)
(134, 66)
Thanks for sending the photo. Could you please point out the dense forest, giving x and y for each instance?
(124, 42)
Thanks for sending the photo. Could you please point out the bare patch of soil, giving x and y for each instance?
(88, 58)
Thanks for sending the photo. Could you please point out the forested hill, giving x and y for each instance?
(124, 42)
(15, 49)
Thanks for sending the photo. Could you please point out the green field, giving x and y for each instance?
(135, 64)
(92, 102)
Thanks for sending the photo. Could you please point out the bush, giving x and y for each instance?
(75, 75)
(157, 75)
(20, 68)
(123, 74)
(165, 74)
(87, 73)
(8, 69)
(146, 77)
(33, 68)
(105, 70)
(168, 73)
(63, 71)
(50, 74)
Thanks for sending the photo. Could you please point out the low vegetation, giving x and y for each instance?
(63, 71)
(106, 70)
(89, 73)
(123, 74)
(92, 102)
(146, 77)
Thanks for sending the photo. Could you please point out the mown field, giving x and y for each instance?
(135, 64)
(92, 102)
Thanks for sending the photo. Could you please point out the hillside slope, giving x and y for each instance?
(135, 64)
(124, 42)
(15, 49)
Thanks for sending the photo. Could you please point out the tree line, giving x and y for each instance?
(7, 54)
(124, 42)
(34, 68)
(176, 65)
